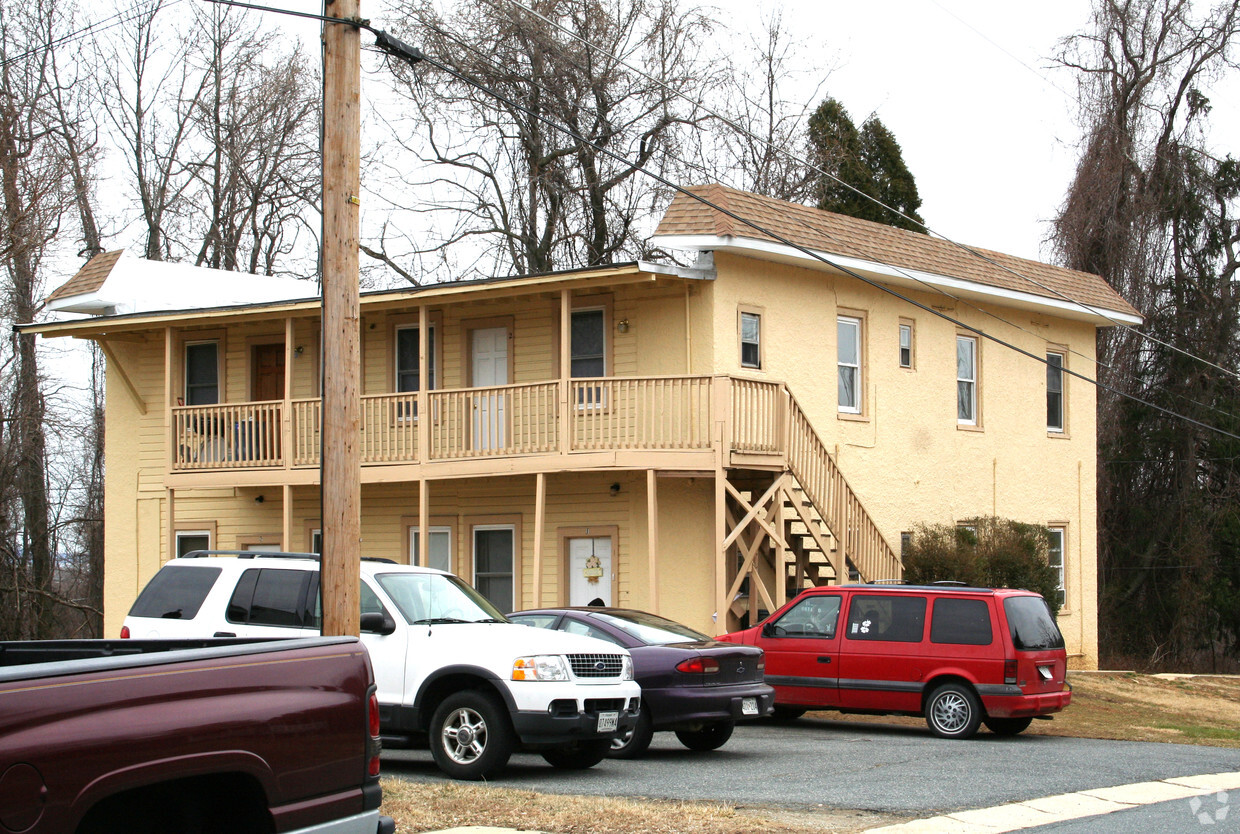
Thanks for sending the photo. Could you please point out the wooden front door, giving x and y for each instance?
(267, 373)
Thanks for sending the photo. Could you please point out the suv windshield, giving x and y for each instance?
(1032, 626)
(429, 598)
(652, 630)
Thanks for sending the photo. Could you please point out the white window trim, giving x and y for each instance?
(757, 343)
(973, 382)
(1062, 568)
(431, 530)
(1063, 394)
(858, 387)
(187, 533)
(903, 327)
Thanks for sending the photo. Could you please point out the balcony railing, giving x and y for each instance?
(610, 413)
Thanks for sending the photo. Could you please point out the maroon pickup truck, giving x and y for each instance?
(211, 736)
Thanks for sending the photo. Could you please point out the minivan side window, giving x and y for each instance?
(813, 617)
(961, 621)
(898, 619)
(175, 593)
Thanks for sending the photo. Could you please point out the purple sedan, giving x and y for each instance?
(692, 684)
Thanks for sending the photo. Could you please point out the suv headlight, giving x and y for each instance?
(626, 670)
(540, 667)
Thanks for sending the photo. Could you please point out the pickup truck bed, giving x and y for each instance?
(101, 736)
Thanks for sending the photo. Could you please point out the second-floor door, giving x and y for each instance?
(490, 368)
(267, 379)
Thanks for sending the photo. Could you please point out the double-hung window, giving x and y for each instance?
(848, 330)
(906, 345)
(1055, 558)
(202, 373)
(408, 369)
(751, 340)
(1054, 392)
(966, 380)
(588, 353)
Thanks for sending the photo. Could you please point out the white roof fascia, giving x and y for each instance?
(698, 272)
(903, 276)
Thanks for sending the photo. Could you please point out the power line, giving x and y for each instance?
(98, 27)
(789, 155)
(397, 48)
(844, 244)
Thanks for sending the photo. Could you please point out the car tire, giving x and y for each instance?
(953, 711)
(1007, 726)
(786, 713)
(584, 754)
(710, 737)
(470, 736)
(635, 742)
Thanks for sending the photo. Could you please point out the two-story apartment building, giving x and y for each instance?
(700, 442)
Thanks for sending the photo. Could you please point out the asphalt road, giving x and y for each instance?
(884, 768)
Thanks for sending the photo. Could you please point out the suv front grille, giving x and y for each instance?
(596, 665)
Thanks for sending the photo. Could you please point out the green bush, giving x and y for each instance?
(986, 552)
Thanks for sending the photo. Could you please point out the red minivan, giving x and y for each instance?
(958, 656)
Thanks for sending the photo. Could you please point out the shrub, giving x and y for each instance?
(986, 552)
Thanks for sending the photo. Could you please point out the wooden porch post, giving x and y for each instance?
(286, 423)
(540, 521)
(424, 518)
(721, 407)
(652, 538)
(287, 532)
(171, 532)
(169, 430)
(566, 359)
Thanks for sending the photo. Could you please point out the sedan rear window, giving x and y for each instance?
(175, 593)
(1032, 626)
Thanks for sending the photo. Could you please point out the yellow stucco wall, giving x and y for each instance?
(905, 455)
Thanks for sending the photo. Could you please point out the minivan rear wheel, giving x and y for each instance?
(1007, 726)
(953, 711)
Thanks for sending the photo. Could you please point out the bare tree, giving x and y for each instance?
(1152, 211)
(526, 195)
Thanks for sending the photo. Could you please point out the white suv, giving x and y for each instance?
(450, 668)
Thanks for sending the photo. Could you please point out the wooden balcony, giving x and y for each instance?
(694, 423)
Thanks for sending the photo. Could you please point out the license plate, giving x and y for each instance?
(749, 706)
(608, 722)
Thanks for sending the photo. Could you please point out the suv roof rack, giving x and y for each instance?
(271, 554)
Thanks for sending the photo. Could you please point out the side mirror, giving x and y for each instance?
(377, 622)
(769, 630)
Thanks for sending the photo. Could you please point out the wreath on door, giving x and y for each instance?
(593, 569)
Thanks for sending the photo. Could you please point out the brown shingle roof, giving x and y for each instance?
(824, 231)
(90, 277)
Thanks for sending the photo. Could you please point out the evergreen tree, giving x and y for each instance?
(863, 169)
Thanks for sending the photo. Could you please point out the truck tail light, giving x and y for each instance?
(124, 632)
(1009, 671)
(373, 744)
(698, 666)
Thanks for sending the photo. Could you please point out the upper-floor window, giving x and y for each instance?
(1054, 392)
(751, 340)
(408, 369)
(848, 348)
(966, 380)
(906, 345)
(1055, 558)
(202, 373)
(588, 345)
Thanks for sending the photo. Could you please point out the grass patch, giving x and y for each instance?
(1202, 733)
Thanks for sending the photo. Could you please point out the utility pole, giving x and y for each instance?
(340, 476)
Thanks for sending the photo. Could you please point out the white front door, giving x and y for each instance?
(589, 570)
(490, 352)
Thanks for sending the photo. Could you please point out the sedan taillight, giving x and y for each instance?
(698, 666)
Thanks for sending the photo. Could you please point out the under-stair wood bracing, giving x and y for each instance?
(825, 535)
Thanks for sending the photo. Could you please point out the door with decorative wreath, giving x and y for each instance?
(590, 570)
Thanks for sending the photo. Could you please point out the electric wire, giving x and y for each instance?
(393, 46)
(464, 44)
(95, 28)
(790, 156)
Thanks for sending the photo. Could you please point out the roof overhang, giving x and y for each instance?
(902, 278)
(637, 272)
